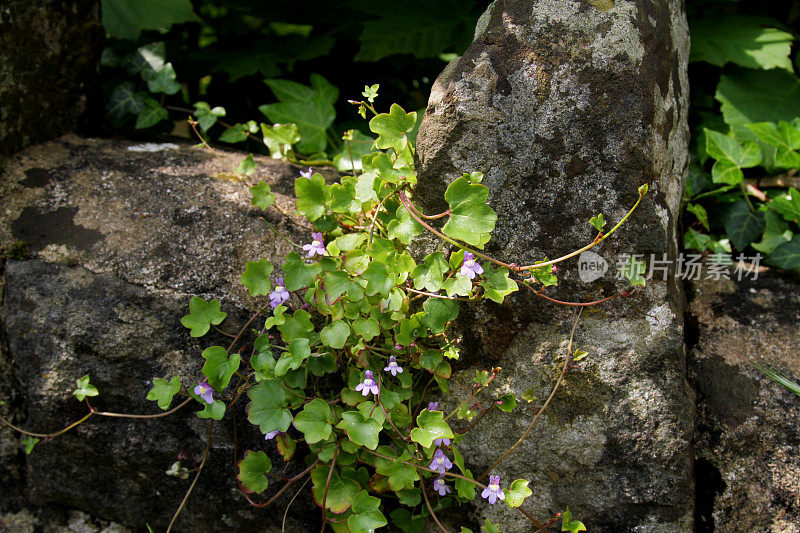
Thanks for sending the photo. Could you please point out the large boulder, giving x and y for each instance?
(748, 427)
(48, 68)
(567, 107)
(105, 244)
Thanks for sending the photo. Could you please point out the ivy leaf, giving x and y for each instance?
(378, 280)
(280, 138)
(215, 410)
(125, 19)
(598, 222)
(731, 157)
(403, 227)
(407, 522)
(776, 232)
(568, 524)
(298, 352)
(366, 328)
(471, 219)
(429, 275)
(28, 443)
(286, 446)
(497, 285)
(313, 196)
(262, 195)
(700, 212)
(313, 421)
(206, 116)
(219, 368)
(507, 403)
(517, 493)
(163, 81)
(787, 255)
(457, 286)
(742, 225)
(297, 273)
(253, 471)
(123, 101)
(787, 205)
(163, 391)
(277, 317)
(693, 240)
(84, 388)
(151, 114)
(633, 270)
(201, 315)
(752, 42)
(349, 159)
(267, 407)
(366, 516)
(783, 139)
(360, 429)
(392, 128)
(438, 312)
(319, 365)
(239, 132)
(335, 334)
(489, 527)
(431, 426)
(256, 277)
(464, 488)
(297, 326)
(341, 490)
(247, 166)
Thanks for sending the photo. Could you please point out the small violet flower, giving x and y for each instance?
(440, 487)
(368, 385)
(205, 391)
(393, 367)
(440, 442)
(433, 406)
(279, 295)
(307, 173)
(317, 246)
(272, 434)
(493, 491)
(440, 462)
(470, 268)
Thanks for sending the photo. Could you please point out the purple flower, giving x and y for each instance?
(493, 491)
(470, 268)
(307, 173)
(279, 295)
(440, 462)
(205, 391)
(440, 487)
(440, 442)
(272, 434)
(393, 367)
(317, 246)
(433, 406)
(368, 385)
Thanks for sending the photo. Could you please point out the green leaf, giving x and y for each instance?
(598, 222)
(262, 195)
(298, 274)
(349, 159)
(201, 315)
(742, 225)
(335, 334)
(28, 443)
(246, 167)
(489, 527)
(431, 426)
(464, 488)
(392, 128)
(280, 138)
(162, 81)
(778, 377)
(517, 493)
(256, 277)
(786, 255)
(700, 212)
(366, 328)
(313, 196)
(776, 233)
(782, 140)
(219, 367)
(438, 313)
(125, 19)
(749, 96)
(277, 317)
(787, 205)
(310, 108)
(457, 285)
(731, 157)
(429, 275)
(507, 403)
(319, 365)
(403, 227)
(206, 116)
(497, 285)
(633, 270)
(151, 114)
(215, 410)
(407, 522)
(471, 219)
(360, 429)
(342, 491)
(297, 326)
(238, 132)
(313, 421)
(123, 101)
(378, 280)
(366, 516)
(568, 524)
(253, 471)
(291, 360)
(749, 41)
(163, 391)
(84, 388)
(267, 407)
(693, 240)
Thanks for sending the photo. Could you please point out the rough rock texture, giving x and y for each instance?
(105, 246)
(48, 68)
(567, 109)
(748, 433)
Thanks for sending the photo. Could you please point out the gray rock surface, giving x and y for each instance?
(48, 68)
(105, 247)
(567, 109)
(748, 427)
